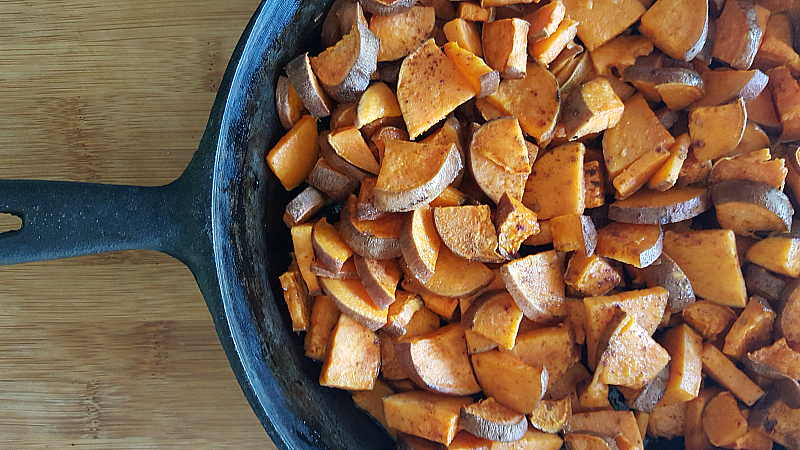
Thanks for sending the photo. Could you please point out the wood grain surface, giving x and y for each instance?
(114, 350)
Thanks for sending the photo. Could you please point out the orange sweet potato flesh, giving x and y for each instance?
(512, 383)
(295, 154)
(425, 414)
(601, 21)
(722, 370)
(354, 357)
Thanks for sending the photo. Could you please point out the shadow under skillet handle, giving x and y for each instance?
(65, 219)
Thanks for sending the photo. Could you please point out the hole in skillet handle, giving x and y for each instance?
(10, 222)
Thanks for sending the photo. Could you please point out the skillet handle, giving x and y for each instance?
(65, 219)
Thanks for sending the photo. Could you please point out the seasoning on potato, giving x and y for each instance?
(562, 223)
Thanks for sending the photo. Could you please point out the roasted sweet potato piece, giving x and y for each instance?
(304, 252)
(574, 232)
(455, 276)
(761, 110)
(778, 357)
(746, 206)
(589, 441)
(324, 317)
(329, 247)
(724, 86)
(430, 86)
(480, 243)
(778, 421)
(620, 53)
(289, 105)
(400, 313)
(591, 275)
(752, 330)
(344, 70)
(717, 276)
(717, 130)
(722, 420)
(639, 172)
(305, 83)
(295, 154)
(594, 180)
(295, 293)
(350, 145)
(666, 273)
(754, 166)
(678, 87)
(495, 316)
(724, 372)
(551, 416)
(399, 189)
(559, 170)
(601, 21)
(474, 13)
(333, 183)
(761, 282)
(304, 206)
(504, 46)
(386, 7)
(607, 422)
(785, 94)
(551, 347)
(546, 50)
(653, 207)
(354, 301)
(635, 244)
(679, 29)
(336, 162)
(464, 33)
(377, 102)
(438, 361)
(709, 319)
(425, 414)
(533, 100)
(375, 239)
(512, 383)
(637, 133)
(484, 79)
(491, 420)
(684, 347)
(401, 33)
(668, 421)
(537, 284)
(380, 278)
(777, 254)
(354, 357)
(646, 305)
(419, 242)
(667, 175)
(544, 21)
(738, 34)
(592, 108)
(514, 223)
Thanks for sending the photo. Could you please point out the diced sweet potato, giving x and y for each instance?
(636, 244)
(717, 276)
(473, 12)
(425, 414)
(430, 86)
(504, 44)
(679, 29)
(295, 293)
(779, 357)
(684, 347)
(324, 317)
(724, 372)
(722, 420)
(372, 402)
(620, 53)
(601, 21)
(546, 50)
(637, 133)
(295, 154)
(778, 421)
(307, 87)
(419, 242)
(289, 105)
(438, 361)
(304, 252)
(483, 78)
(455, 276)
(514, 223)
(594, 179)
(533, 100)
(607, 422)
(400, 313)
(746, 206)
(588, 441)
(464, 33)
(329, 247)
(755, 166)
(708, 318)
(494, 315)
(350, 145)
(666, 273)
(591, 275)
(574, 232)
(491, 420)
(752, 330)
(552, 347)
(592, 108)
(333, 183)
(492, 179)
(344, 69)
(639, 172)
(354, 357)
(668, 421)
(537, 284)
(544, 21)
(738, 34)
(375, 239)
(480, 243)
(778, 254)
(559, 170)
(401, 33)
(304, 206)
(512, 383)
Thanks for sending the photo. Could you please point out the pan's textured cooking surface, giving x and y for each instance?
(114, 350)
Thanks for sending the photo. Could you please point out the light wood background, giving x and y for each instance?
(114, 350)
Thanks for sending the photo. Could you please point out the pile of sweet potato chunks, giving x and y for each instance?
(545, 202)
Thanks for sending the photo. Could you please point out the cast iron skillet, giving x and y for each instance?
(222, 218)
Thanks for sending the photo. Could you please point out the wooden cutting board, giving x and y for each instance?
(114, 350)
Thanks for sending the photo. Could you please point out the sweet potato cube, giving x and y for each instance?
(295, 154)
(473, 12)
(685, 367)
(786, 96)
(587, 441)
(495, 316)
(639, 172)
(601, 21)
(353, 300)
(694, 435)
(504, 44)
(438, 361)
(544, 21)
(630, 243)
(761, 110)
(511, 382)
(637, 133)
(483, 78)
(350, 145)
(329, 247)
(717, 130)
(501, 141)
(607, 422)
(723, 371)
(593, 393)
(574, 233)
(297, 299)
(514, 223)
(679, 29)
(304, 252)
(592, 108)
(454, 276)
(430, 86)
(693, 170)
(464, 33)
(778, 254)
(534, 100)
(667, 175)
(738, 34)
(717, 276)
(591, 275)
(354, 357)
(752, 330)
(552, 347)
(304, 206)
(546, 50)
(332, 182)
(626, 354)
(620, 53)
(780, 358)
(595, 182)
(324, 317)
(646, 305)
(289, 105)
(372, 402)
(559, 170)
(377, 102)
(778, 421)
(401, 33)
(537, 284)
(722, 420)
(754, 166)
(425, 414)
(708, 318)
(480, 244)
(668, 421)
